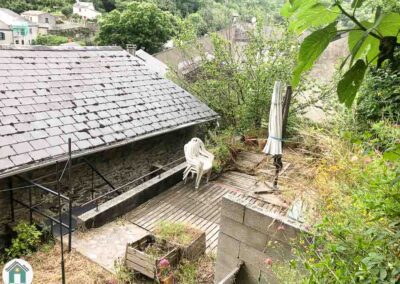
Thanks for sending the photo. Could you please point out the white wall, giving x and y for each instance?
(88, 13)
(8, 37)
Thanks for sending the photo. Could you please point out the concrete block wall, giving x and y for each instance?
(120, 165)
(251, 234)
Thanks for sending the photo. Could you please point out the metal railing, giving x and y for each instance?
(118, 189)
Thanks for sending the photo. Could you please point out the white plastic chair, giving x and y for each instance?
(199, 160)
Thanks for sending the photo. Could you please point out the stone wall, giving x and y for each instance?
(253, 236)
(119, 165)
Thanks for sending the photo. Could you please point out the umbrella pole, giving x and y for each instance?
(278, 167)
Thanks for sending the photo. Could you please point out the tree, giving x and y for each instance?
(19, 6)
(143, 24)
(198, 23)
(371, 42)
(237, 81)
(67, 11)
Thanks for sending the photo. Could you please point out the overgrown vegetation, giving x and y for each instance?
(176, 232)
(237, 81)
(27, 240)
(356, 239)
(193, 272)
(50, 40)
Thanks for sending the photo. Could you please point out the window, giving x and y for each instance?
(16, 41)
(30, 30)
(46, 20)
(2, 36)
(22, 42)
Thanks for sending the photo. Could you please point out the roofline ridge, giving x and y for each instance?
(60, 48)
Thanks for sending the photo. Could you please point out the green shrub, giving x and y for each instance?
(379, 97)
(27, 240)
(222, 148)
(67, 11)
(380, 136)
(357, 239)
(50, 40)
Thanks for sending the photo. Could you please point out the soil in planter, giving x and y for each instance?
(155, 249)
(179, 233)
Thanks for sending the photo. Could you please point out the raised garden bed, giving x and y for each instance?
(145, 254)
(190, 240)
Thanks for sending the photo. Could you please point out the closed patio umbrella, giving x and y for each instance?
(274, 142)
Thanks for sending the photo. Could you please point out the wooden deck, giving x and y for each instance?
(201, 207)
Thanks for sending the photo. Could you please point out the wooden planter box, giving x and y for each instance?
(195, 249)
(138, 260)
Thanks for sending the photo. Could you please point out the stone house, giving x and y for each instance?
(85, 9)
(23, 32)
(45, 21)
(121, 117)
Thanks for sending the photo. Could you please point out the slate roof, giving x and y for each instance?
(100, 97)
(152, 63)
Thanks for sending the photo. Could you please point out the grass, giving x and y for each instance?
(193, 272)
(78, 269)
(179, 233)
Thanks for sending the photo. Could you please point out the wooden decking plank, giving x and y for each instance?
(239, 174)
(192, 211)
(181, 195)
(200, 208)
(152, 202)
(182, 199)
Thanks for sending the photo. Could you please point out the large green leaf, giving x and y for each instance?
(357, 3)
(292, 7)
(315, 16)
(369, 47)
(311, 48)
(390, 25)
(392, 154)
(350, 83)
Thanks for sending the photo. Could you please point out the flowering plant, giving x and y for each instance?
(164, 269)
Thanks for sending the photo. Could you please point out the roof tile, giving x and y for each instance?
(72, 94)
(5, 164)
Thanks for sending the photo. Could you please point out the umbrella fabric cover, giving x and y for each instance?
(274, 143)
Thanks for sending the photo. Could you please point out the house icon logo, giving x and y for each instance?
(17, 271)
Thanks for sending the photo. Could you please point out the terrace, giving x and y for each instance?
(182, 203)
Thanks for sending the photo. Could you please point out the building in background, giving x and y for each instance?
(6, 36)
(86, 10)
(45, 21)
(23, 31)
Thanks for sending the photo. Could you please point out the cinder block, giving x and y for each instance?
(225, 264)
(243, 233)
(227, 257)
(270, 224)
(232, 209)
(227, 245)
(252, 256)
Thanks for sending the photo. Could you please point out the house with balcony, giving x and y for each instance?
(15, 29)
